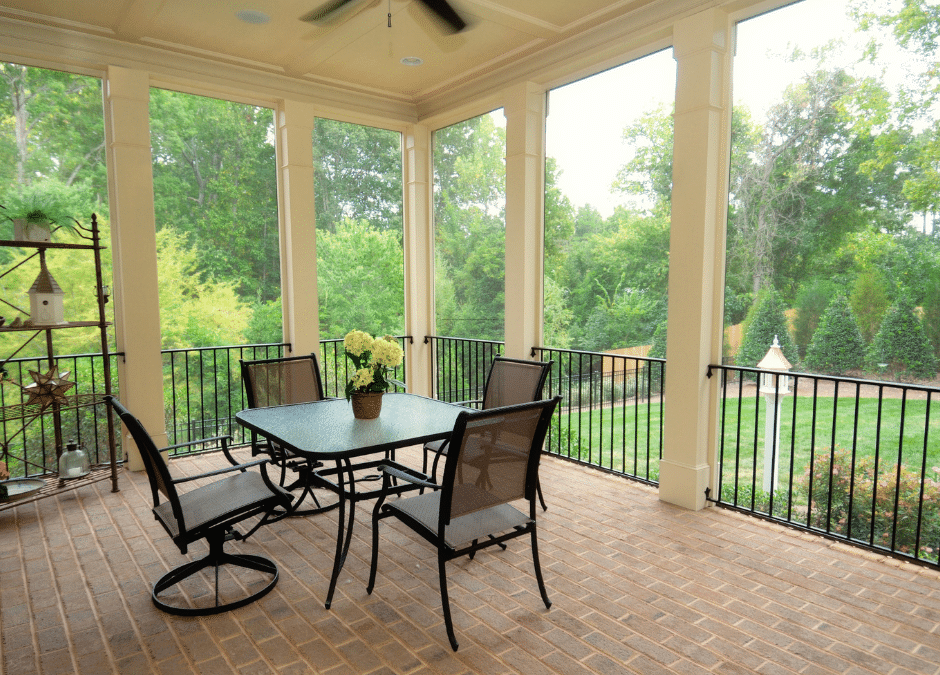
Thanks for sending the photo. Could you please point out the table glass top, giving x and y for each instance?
(327, 429)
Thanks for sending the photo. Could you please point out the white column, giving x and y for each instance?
(696, 254)
(298, 226)
(419, 258)
(525, 216)
(133, 242)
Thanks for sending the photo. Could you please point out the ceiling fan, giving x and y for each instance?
(440, 9)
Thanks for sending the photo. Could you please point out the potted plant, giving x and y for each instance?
(372, 358)
(36, 207)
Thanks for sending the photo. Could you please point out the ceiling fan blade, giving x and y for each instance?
(445, 13)
(324, 11)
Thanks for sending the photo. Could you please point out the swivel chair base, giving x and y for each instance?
(216, 558)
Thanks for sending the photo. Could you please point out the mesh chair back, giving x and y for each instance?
(513, 381)
(157, 471)
(497, 458)
(272, 382)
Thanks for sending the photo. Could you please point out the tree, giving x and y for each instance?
(901, 347)
(215, 183)
(766, 321)
(357, 175)
(360, 280)
(837, 345)
(869, 302)
(470, 234)
(195, 311)
(811, 302)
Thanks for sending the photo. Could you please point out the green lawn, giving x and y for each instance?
(616, 437)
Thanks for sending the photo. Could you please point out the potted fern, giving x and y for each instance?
(36, 207)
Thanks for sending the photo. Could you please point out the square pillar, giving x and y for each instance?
(419, 258)
(701, 159)
(525, 218)
(133, 241)
(296, 214)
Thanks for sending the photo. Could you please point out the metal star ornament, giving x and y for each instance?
(49, 388)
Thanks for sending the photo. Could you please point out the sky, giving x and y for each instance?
(586, 119)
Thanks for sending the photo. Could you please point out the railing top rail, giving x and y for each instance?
(181, 350)
(829, 378)
(606, 355)
(428, 338)
(397, 337)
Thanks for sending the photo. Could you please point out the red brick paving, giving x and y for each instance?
(638, 586)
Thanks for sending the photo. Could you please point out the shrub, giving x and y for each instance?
(863, 505)
(869, 302)
(811, 303)
(837, 344)
(901, 343)
(766, 321)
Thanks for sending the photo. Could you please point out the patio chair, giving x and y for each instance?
(470, 509)
(208, 512)
(510, 381)
(281, 381)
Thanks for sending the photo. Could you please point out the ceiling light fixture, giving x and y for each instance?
(253, 16)
(412, 61)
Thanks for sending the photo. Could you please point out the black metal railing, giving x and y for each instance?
(202, 390)
(460, 367)
(855, 460)
(28, 431)
(203, 387)
(611, 414)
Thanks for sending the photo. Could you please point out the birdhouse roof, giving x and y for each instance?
(45, 283)
(774, 359)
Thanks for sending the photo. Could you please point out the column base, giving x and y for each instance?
(683, 485)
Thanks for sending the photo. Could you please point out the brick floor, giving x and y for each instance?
(638, 586)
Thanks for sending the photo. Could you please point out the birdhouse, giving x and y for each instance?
(45, 300)
(773, 383)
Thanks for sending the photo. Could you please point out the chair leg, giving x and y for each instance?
(538, 489)
(538, 569)
(445, 601)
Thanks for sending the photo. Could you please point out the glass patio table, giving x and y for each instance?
(326, 431)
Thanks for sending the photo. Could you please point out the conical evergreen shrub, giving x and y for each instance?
(901, 344)
(766, 321)
(837, 344)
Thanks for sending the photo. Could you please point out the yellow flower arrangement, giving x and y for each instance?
(372, 359)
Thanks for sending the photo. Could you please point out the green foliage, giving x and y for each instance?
(766, 321)
(869, 302)
(266, 323)
(199, 312)
(811, 302)
(360, 279)
(215, 184)
(47, 200)
(901, 343)
(837, 344)
(357, 175)
(470, 234)
(558, 317)
(931, 307)
(856, 498)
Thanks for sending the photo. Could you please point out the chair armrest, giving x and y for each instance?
(224, 443)
(407, 475)
(216, 472)
(466, 403)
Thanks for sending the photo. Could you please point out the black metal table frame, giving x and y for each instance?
(344, 485)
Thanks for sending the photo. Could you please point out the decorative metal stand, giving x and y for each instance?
(50, 393)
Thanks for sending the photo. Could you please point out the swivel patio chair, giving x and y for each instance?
(208, 512)
(510, 381)
(470, 509)
(282, 381)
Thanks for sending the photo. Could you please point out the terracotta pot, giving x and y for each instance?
(367, 406)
